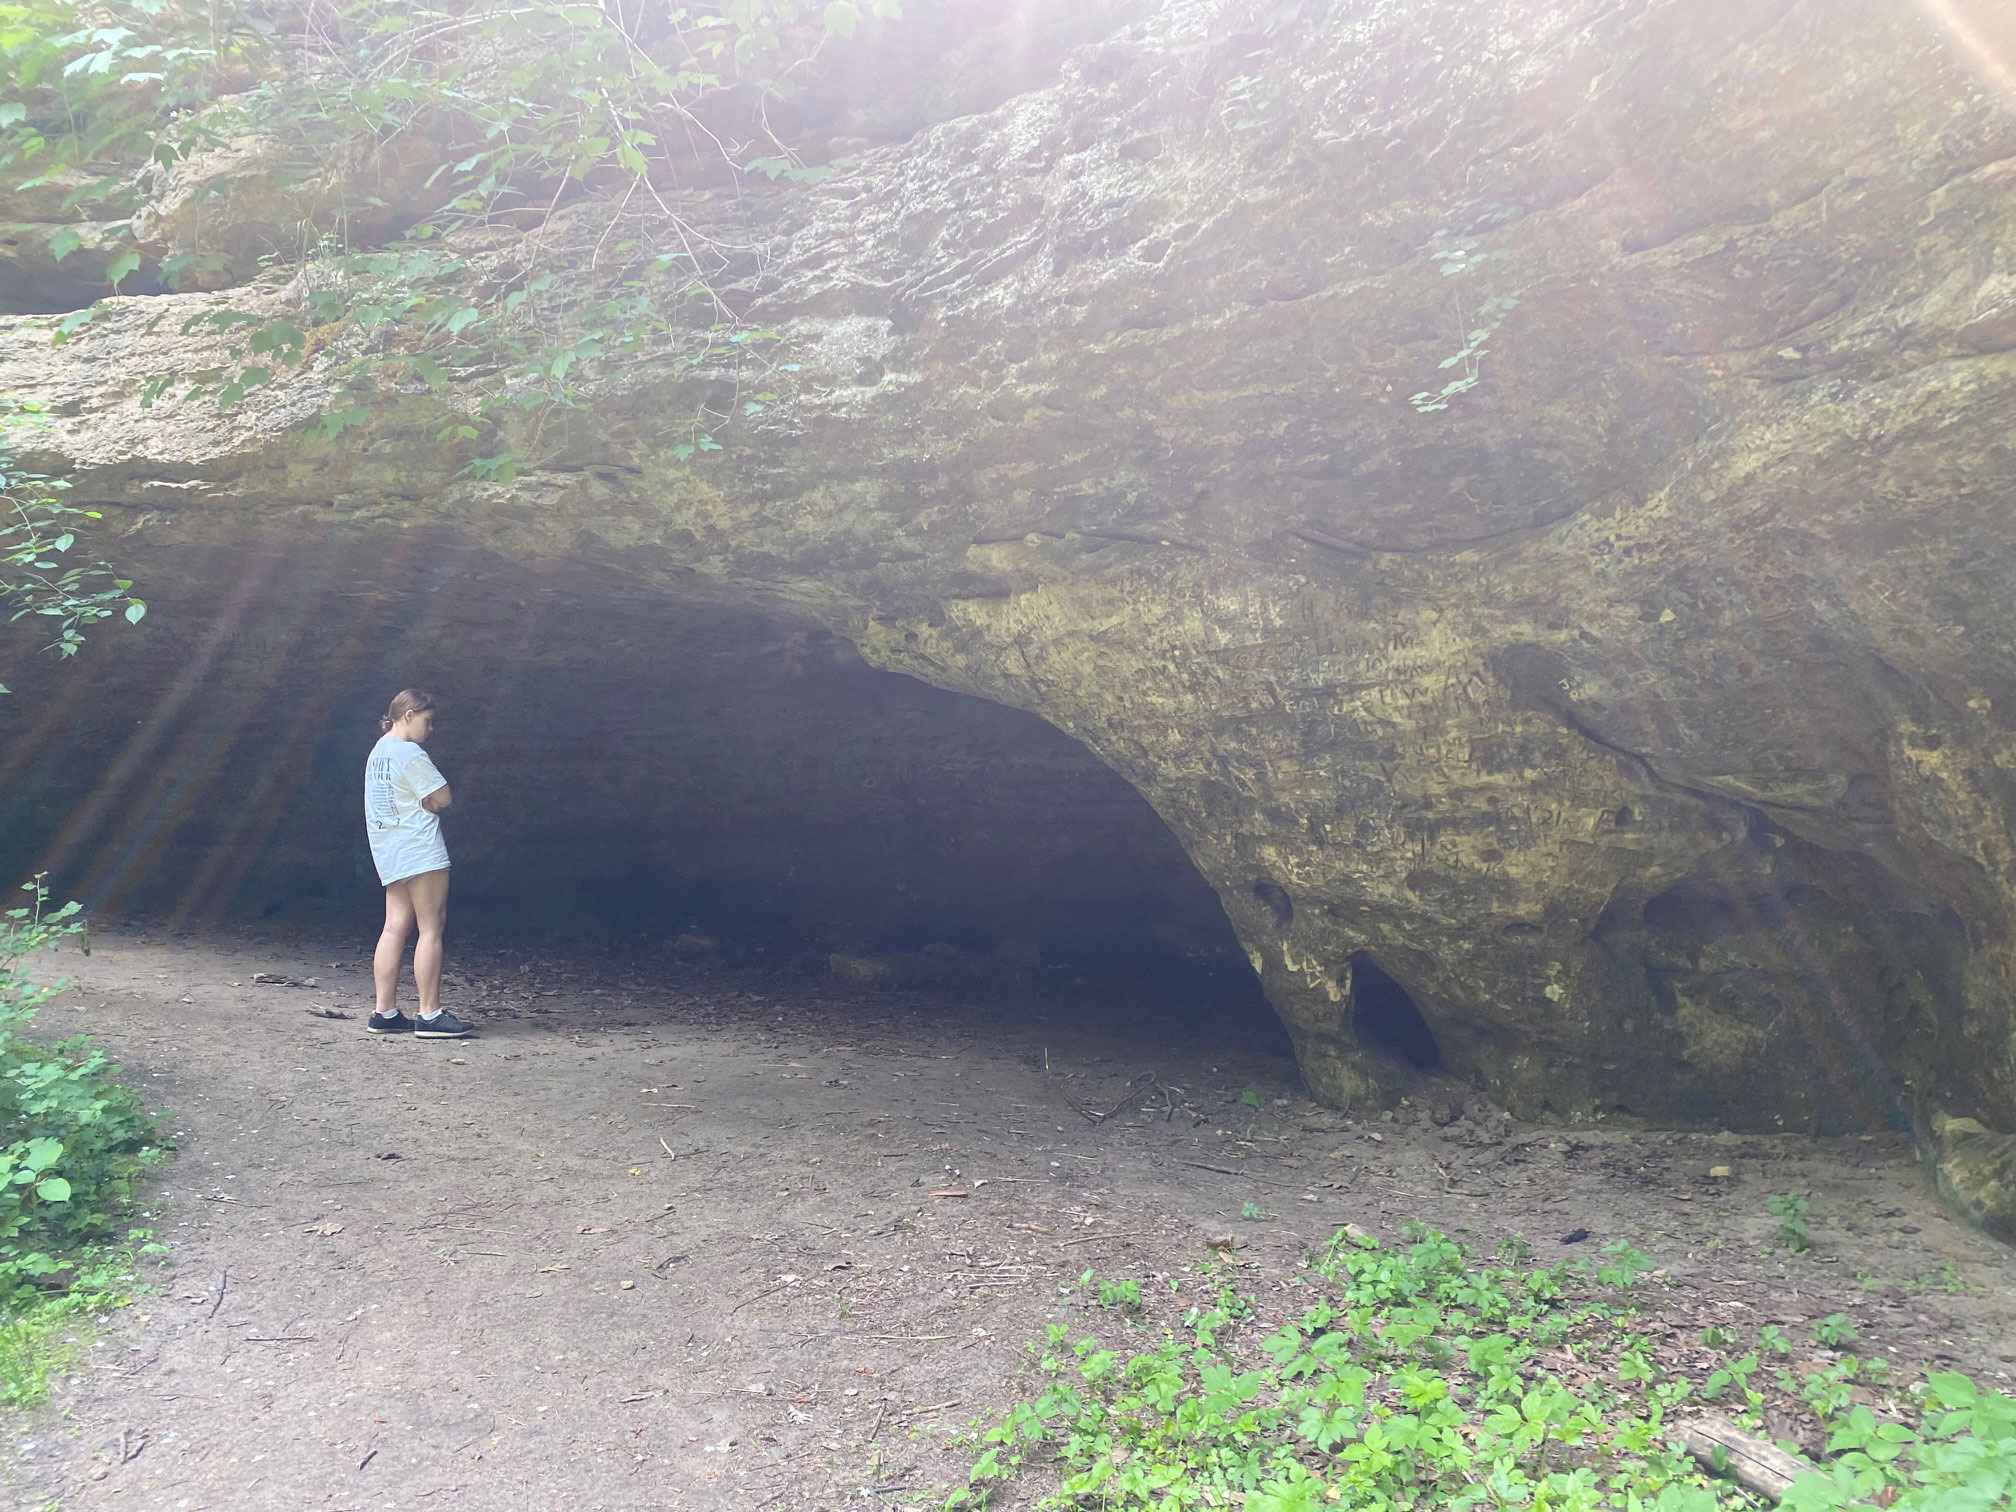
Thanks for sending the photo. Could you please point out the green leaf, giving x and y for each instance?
(53, 1189)
(12, 111)
(501, 468)
(72, 323)
(123, 267)
(63, 241)
(841, 19)
(135, 612)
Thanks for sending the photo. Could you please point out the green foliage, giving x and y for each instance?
(1252, 1212)
(38, 575)
(1790, 1209)
(78, 1138)
(78, 1142)
(1959, 1455)
(421, 142)
(1453, 256)
(1415, 1378)
(1124, 1295)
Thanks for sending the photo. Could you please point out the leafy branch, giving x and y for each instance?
(471, 203)
(1454, 256)
(37, 532)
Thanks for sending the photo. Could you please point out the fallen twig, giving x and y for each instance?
(1088, 1238)
(901, 1338)
(1134, 1090)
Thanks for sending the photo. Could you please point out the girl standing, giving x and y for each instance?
(404, 794)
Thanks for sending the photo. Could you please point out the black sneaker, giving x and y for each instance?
(444, 1025)
(397, 1023)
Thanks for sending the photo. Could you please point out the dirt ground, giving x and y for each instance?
(670, 1236)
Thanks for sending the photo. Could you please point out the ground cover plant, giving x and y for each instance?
(1413, 1376)
(77, 1141)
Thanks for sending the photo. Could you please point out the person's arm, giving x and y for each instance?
(428, 783)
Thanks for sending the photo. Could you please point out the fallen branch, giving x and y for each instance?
(1755, 1465)
(1134, 1090)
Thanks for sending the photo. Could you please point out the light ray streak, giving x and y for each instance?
(202, 748)
(1988, 59)
(242, 844)
(140, 747)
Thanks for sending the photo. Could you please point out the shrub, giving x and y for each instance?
(77, 1139)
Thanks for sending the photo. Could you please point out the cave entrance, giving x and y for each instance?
(635, 774)
(1387, 1018)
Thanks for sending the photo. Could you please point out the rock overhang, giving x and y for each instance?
(1688, 611)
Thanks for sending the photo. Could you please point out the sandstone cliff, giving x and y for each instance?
(1647, 707)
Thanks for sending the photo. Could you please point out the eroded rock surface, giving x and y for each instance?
(1648, 712)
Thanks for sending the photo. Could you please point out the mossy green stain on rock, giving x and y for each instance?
(1976, 1171)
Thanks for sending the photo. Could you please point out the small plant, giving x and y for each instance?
(1834, 1330)
(1624, 1265)
(1251, 1099)
(1252, 1212)
(1790, 1209)
(1125, 1295)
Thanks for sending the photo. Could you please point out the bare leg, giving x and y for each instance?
(391, 951)
(429, 892)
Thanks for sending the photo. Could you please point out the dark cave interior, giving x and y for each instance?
(633, 773)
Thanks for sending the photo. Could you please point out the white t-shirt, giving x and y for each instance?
(405, 837)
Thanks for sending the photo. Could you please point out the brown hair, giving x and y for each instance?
(407, 701)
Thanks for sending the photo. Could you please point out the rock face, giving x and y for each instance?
(1646, 708)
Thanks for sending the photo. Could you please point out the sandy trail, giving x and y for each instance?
(667, 1236)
